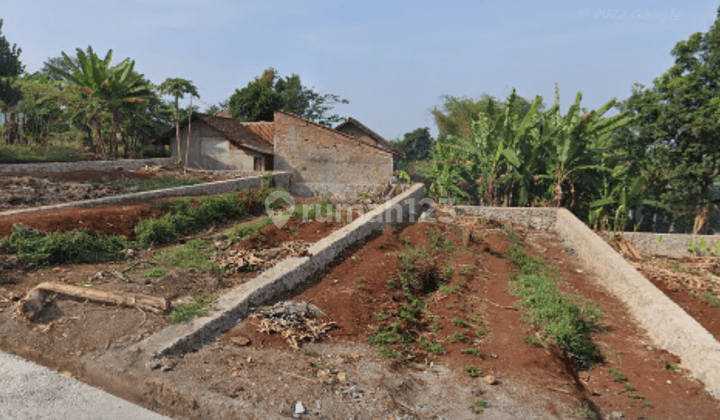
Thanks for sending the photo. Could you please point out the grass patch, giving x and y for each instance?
(565, 320)
(617, 375)
(241, 232)
(473, 351)
(27, 154)
(193, 254)
(186, 312)
(712, 298)
(460, 323)
(458, 337)
(480, 405)
(37, 249)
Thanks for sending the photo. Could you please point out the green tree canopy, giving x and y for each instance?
(268, 93)
(677, 125)
(107, 91)
(417, 146)
(10, 66)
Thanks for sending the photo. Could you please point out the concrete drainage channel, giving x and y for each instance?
(666, 323)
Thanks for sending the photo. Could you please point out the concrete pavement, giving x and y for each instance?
(30, 391)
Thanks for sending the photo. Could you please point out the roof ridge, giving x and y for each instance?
(372, 134)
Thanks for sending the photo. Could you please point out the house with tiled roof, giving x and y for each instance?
(322, 160)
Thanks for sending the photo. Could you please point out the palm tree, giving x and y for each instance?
(105, 88)
(178, 88)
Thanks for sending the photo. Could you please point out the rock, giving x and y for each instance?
(167, 365)
(617, 415)
(153, 364)
(342, 377)
(241, 340)
(299, 408)
(490, 379)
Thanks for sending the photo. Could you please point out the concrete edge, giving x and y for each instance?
(236, 304)
(87, 165)
(281, 179)
(666, 323)
(674, 244)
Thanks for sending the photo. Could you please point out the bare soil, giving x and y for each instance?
(42, 189)
(691, 282)
(342, 376)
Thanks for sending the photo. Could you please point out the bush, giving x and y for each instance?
(37, 249)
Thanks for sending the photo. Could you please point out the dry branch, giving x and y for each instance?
(30, 306)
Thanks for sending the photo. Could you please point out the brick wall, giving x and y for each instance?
(325, 161)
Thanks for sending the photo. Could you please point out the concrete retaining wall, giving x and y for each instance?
(286, 275)
(674, 244)
(668, 325)
(92, 165)
(281, 179)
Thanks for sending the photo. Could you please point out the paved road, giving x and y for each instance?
(29, 391)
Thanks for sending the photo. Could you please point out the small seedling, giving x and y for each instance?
(459, 323)
(308, 352)
(458, 337)
(617, 375)
(672, 367)
(473, 351)
(588, 414)
(480, 405)
(629, 387)
(472, 371)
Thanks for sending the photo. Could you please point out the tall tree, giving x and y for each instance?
(268, 93)
(178, 88)
(416, 145)
(10, 68)
(106, 90)
(677, 124)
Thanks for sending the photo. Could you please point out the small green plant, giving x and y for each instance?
(458, 337)
(672, 367)
(388, 353)
(712, 298)
(155, 273)
(188, 311)
(447, 270)
(446, 289)
(432, 346)
(460, 323)
(466, 269)
(629, 387)
(308, 352)
(246, 230)
(480, 405)
(473, 351)
(37, 249)
(587, 413)
(617, 375)
(380, 316)
(659, 239)
(472, 371)
(390, 284)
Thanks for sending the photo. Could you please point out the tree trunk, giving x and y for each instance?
(701, 219)
(177, 129)
(187, 143)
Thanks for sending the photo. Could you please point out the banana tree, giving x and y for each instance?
(105, 88)
(446, 173)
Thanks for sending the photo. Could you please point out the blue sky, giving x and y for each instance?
(393, 60)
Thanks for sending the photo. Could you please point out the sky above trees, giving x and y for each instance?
(392, 60)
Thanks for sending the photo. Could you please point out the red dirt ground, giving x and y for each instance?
(356, 289)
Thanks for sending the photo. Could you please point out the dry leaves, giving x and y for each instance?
(237, 257)
(296, 322)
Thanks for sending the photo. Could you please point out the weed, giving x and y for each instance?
(629, 387)
(390, 284)
(472, 371)
(466, 269)
(712, 298)
(387, 352)
(309, 353)
(246, 230)
(473, 351)
(617, 375)
(446, 289)
(588, 414)
(447, 270)
(432, 346)
(155, 273)
(480, 405)
(460, 323)
(458, 337)
(673, 367)
(193, 254)
(380, 316)
(37, 249)
(185, 312)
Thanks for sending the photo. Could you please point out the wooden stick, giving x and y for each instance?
(32, 304)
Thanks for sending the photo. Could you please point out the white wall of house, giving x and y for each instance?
(209, 149)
